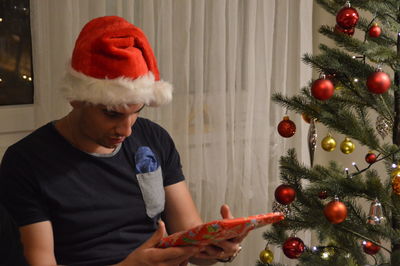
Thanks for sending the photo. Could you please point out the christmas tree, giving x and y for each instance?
(357, 94)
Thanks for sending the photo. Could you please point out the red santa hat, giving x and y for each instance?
(114, 64)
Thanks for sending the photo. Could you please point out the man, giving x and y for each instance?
(10, 245)
(96, 186)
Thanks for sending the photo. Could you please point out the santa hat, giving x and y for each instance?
(113, 64)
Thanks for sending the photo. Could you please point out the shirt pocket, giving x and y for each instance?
(152, 188)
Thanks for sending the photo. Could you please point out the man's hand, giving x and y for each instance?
(224, 249)
(148, 254)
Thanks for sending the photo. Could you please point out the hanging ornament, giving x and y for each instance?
(266, 256)
(293, 247)
(328, 143)
(374, 31)
(322, 89)
(277, 207)
(370, 248)
(285, 194)
(347, 146)
(370, 157)
(327, 253)
(312, 141)
(347, 17)
(378, 82)
(331, 75)
(339, 86)
(286, 127)
(335, 211)
(323, 194)
(307, 118)
(349, 32)
(383, 126)
(375, 213)
(395, 175)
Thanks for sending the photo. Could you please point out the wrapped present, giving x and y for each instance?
(219, 230)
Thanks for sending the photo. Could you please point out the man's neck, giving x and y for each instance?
(67, 129)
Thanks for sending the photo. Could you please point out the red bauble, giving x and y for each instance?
(285, 194)
(286, 127)
(322, 89)
(323, 194)
(370, 157)
(347, 17)
(335, 211)
(370, 248)
(349, 32)
(374, 31)
(378, 82)
(293, 247)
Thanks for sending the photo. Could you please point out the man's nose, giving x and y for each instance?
(124, 127)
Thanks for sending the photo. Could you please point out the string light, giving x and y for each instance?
(394, 165)
(24, 76)
(1, 19)
(1, 80)
(347, 172)
(356, 80)
(30, 79)
(325, 255)
(355, 166)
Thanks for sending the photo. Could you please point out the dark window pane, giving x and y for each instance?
(16, 75)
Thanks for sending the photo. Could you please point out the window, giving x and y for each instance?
(16, 78)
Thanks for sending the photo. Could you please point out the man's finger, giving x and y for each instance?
(177, 255)
(226, 212)
(155, 239)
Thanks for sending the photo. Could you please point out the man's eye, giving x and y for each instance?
(111, 113)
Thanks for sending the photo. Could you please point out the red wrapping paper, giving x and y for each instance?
(219, 230)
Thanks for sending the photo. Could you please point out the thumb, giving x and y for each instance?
(155, 239)
(226, 212)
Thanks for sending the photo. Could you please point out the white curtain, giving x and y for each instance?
(225, 58)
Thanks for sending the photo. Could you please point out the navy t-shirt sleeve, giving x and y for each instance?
(173, 169)
(19, 191)
(160, 140)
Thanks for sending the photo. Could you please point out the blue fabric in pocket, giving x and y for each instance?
(145, 160)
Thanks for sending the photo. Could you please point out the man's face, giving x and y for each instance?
(106, 127)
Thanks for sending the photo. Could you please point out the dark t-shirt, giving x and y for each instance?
(95, 203)
(11, 253)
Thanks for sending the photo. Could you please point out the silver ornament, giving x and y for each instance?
(383, 126)
(375, 213)
(312, 140)
(277, 207)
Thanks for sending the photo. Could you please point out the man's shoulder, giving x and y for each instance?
(145, 124)
(38, 137)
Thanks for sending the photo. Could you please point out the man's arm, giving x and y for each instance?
(37, 240)
(181, 214)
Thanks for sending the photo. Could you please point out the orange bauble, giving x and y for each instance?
(375, 31)
(370, 248)
(285, 194)
(378, 82)
(322, 89)
(286, 128)
(335, 211)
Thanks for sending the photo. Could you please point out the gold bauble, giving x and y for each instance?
(339, 87)
(347, 146)
(395, 174)
(266, 256)
(327, 253)
(328, 143)
(307, 118)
